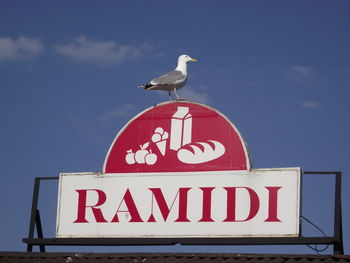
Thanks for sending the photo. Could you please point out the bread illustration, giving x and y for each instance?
(200, 152)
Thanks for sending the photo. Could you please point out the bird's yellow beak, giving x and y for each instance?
(194, 60)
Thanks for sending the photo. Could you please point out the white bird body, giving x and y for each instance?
(172, 80)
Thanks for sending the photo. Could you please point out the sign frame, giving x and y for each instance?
(41, 242)
(208, 149)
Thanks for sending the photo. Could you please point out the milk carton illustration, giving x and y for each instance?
(181, 128)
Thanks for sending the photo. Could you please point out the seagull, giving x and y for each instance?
(172, 80)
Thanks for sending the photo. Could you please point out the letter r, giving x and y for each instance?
(82, 206)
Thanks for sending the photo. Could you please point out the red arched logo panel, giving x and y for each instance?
(177, 137)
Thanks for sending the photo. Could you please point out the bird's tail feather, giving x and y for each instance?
(145, 86)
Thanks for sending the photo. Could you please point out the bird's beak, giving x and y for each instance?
(194, 60)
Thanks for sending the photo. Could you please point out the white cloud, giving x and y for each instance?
(109, 52)
(20, 49)
(123, 111)
(312, 105)
(91, 126)
(300, 72)
(194, 94)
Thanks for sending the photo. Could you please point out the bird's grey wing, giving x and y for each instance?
(169, 78)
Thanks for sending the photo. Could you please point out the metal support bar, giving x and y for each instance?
(33, 213)
(338, 248)
(182, 241)
(338, 224)
(39, 229)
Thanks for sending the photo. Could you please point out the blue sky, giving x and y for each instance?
(279, 70)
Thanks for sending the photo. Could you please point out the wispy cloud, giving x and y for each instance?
(91, 126)
(121, 112)
(300, 72)
(21, 48)
(195, 94)
(83, 126)
(101, 53)
(312, 105)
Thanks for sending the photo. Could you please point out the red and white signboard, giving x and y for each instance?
(179, 169)
(205, 204)
(177, 137)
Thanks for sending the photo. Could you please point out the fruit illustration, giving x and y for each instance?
(141, 154)
(144, 156)
(151, 158)
(130, 157)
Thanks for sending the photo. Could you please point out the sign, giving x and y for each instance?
(178, 137)
(179, 169)
(205, 204)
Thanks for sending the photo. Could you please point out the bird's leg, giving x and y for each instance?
(176, 94)
(169, 95)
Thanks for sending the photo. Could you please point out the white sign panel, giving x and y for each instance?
(260, 202)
